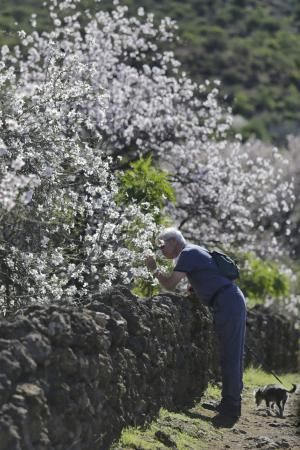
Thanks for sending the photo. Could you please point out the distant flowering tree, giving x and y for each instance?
(100, 87)
(240, 198)
(293, 170)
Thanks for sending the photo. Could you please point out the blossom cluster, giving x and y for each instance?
(63, 233)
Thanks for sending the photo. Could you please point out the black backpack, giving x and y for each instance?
(226, 265)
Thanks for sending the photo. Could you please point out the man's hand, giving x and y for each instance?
(167, 281)
(151, 263)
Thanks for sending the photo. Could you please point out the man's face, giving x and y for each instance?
(168, 248)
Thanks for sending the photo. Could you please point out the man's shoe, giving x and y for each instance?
(224, 421)
(212, 406)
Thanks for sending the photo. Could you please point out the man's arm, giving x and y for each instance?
(169, 281)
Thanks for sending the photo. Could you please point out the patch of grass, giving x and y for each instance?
(187, 431)
(134, 438)
(255, 377)
(187, 424)
(213, 391)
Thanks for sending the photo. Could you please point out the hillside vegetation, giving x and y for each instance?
(251, 46)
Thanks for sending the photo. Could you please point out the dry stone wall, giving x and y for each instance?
(273, 340)
(72, 378)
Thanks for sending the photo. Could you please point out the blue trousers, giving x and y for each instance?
(229, 311)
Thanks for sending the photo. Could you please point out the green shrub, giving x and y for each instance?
(148, 185)
(256, 127)
(151, 188)
(261, 280)
(242, 104)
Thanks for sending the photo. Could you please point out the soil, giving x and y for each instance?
(256, 428)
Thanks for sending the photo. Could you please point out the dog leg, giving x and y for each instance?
(280, 408)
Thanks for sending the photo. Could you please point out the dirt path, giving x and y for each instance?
(256, 429)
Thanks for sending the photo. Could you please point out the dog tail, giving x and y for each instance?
(293, 389)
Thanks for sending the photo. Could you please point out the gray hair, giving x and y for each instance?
(172, 233)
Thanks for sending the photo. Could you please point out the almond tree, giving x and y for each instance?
(63, 234)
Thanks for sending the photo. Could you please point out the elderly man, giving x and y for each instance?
(228, 307)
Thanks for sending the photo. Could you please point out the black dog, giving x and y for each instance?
(273, 394)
